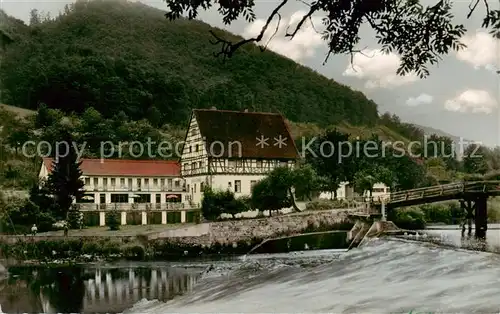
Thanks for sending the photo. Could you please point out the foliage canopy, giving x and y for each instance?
(419, 33)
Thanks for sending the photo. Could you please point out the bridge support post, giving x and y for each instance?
(384, 215)
(481, 216)
(468, 208)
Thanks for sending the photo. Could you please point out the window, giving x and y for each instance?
(252, 183)
(139, 183)
(196, 148)
(96, 182)
(162, 183)
(155, 183)
(143, 198)
(113, 182)
(119, 198)
(201, 186)
(193, 165)
(177, 183)
(232, 164)
(105, 182)
(237, 186)
(122, 182)
(239, 163)
(186, 166)
(158, 198)
(190, 149)
(229, 186)
(259, 164)
(102, 198)
(87, 181)
(283, 163)
(199, 164)
(146, 183)
(194, 186)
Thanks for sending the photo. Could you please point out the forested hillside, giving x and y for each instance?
(120, 71)
(122, 56)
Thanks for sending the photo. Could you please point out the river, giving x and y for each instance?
(386, 276)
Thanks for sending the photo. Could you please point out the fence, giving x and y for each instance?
(136, 206)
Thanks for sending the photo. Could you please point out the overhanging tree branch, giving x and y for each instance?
(419, 34)
(228, 48)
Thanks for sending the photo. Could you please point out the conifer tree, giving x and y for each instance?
(64, 180)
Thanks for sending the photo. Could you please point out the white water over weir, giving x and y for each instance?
(383, 276)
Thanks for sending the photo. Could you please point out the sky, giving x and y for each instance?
(461, 96)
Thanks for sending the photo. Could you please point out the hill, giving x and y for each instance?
(125, 56)
(129, 63)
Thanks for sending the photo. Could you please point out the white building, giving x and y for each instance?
(150, 188)
(379, 189)
(345, 191)
(233, 150)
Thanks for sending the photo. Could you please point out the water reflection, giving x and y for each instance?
(79, 289)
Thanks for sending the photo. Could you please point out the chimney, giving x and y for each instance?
(213, 108)
(246, 110)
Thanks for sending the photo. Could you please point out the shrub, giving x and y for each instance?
(408, 218)
(327, 204)
(215, 203)
(113, 220)
(74, 219)
(494, 210)
(135, 252)
(443, 212)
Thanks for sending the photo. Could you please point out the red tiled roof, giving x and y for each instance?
(126, 167)
(227, 126)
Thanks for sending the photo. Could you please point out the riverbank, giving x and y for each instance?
(222, 238)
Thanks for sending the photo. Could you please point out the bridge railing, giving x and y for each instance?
(442, 190)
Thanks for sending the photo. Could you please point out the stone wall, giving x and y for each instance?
(231, 231)
(225, 232)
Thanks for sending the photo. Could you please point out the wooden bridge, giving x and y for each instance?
(438, 193)
(473, 197)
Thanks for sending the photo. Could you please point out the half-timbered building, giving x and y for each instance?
(233, 150)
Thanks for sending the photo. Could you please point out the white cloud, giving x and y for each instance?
(472, 100)
(304, 43)
(483, 51)
(378, 69)
(419, 100)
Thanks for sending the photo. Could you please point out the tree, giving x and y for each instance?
(64, 180)
(215, 203)
(408, 173)
(35, 18)
(327, 159)
(209, 207)
(420, 34)
(365, 179)
(113, 220)
(273, 192)
(474, 160)
(306, 181)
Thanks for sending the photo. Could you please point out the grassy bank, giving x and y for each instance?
(80, 249)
